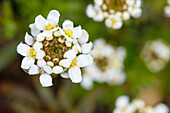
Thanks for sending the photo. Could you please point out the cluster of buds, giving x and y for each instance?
(55, 50)
(137, 106)
(167, 9)
(114, 11)
(156, 54)
(107, 67)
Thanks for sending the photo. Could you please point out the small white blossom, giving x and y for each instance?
(135, 8)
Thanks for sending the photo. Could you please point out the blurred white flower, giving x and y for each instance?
(123, 105)
(167, 11)
(55, 50)
(156, 54)
(107, 66)
(115, 12)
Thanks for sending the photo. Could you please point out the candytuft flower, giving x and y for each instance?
(107, 66)
(55, 50)
(114, 11)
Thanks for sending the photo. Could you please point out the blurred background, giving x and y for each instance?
(21, 93)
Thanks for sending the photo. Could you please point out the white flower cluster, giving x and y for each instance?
(55, 50)
(107, 66)
(114, 11)
(156, 54)
(137, 106)
(167, 9)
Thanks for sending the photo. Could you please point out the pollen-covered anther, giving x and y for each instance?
(49, 27)
(69, 33)
(73, 64)
(32, 53)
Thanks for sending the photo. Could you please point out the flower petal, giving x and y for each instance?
(86, 48)
(41, 63)
(161, 108)
(67, 38)
(57, 69)
(37, 46)
(34, 30)
(122, 101)
(84, 37)
(64, 75)
(40, 37)
(90, 11)
(67, 24)
(40, 22)
(48, 69)
(77, 48)
(66, 63)
(77, 32)
(53, 17)
(75, 74)
(29, 39)
(46, 80)
(70, 54)
(34, 69)
(84, 60)
(27, 62)
(40, 54)
(23, 49)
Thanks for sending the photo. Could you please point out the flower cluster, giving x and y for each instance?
(167, 9)
(107, 66)
(156, 54)
(55, 50)
(137, 106)
(114, 11)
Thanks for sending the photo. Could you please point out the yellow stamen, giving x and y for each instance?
(113, 21)
(69, 33)
(73, 64)
(32, 53)
(49, 27)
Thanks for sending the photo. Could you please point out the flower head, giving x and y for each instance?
(55, 50)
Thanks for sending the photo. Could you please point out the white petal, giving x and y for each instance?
(87, 82)
(40, 37)
(57, 69)
(23, 49)
(122, 101)
(86, 48)
(40, 54)
(27, 62)
(41, 63)
(77, 48)
(34, 30)
(75, 74)
(64, 75)
(136, 13)
(117, 25)
(29, 39)
(98, 2)
(90, 11)
(99, 14)
(84, 60)
(70, 54)
(66, 63)
(53, 17)
(84, 37)
(40, 22)
(37, 46)
(46, 80)
(34, 69)
(77, 32)
(161, 108)
(67, 24)
(48, 69)
(67, 38)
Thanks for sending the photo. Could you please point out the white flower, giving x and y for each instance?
(48, 26)
(95, 12)
(161, 108)
(135, 8)
(74, 63)
(30, 53)
(98, 2)
(114, 22)
(167, 11)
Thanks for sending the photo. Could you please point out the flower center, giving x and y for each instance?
(113, 21)
(55, 48)
(101, 63)
(69, 33)
(32, 53)
(49, 27)
(73, 64)
(116, 5)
